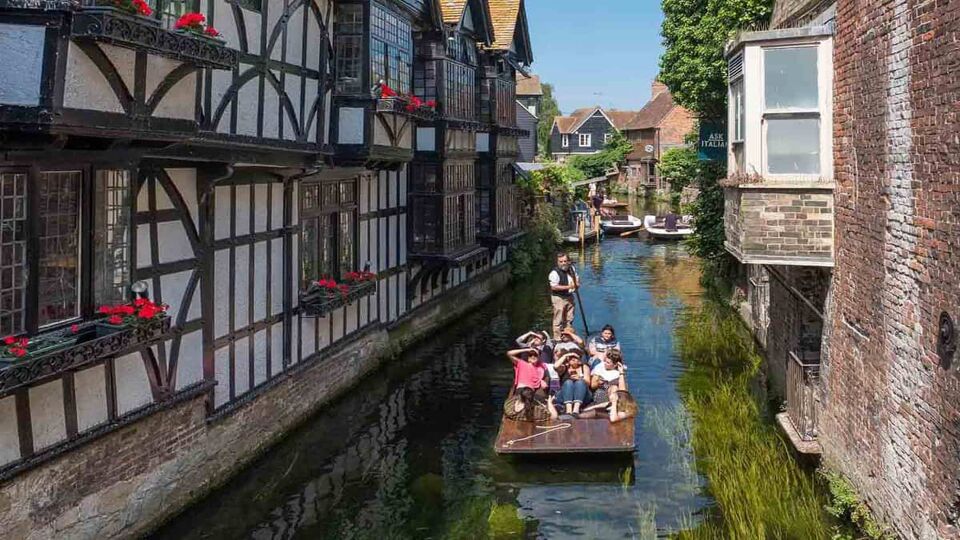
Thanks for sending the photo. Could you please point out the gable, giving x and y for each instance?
(467, 22)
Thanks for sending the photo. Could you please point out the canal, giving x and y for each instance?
(408, 454)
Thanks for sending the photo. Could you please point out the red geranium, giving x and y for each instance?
(142, 8)
(431, 103)
(18, 352)
(115, 319)
(386, 92)
(191, 21)
(9, 340)
(212, 32)
(75, 328)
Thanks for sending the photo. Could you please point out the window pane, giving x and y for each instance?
(793, 146)
(347, 259)
(13, 251)
(790, 77)
(309, 262)
(739, 113)
(111, 234)
(58, 223)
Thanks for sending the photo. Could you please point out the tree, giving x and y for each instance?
(695, 33)
(680, 167)
(614, 152)
(549, 109)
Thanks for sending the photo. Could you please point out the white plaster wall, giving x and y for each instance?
(173, 242)
(222, 207)
(313, 36)
(241, 292)
(276, 348)
(260, 210)
(272, 111)
(364, 308)
(180, 101)
(85, 87)
(383, 180)
(338, 328)
(295, 38)
(133, 387)
(243, 210)
(158, 67)
(351, 125)
(276, 200)
(382, 235)
(352, 312)
(328, 110)
(260, 357)
(221, 361)
(190, 362)
(124, 60)
(90, 388)
(222, 79)
(295, 338)
(185, 181)
(260, 281)
(291, 85)
(22, 67)
(241, 366)
(221, 287)
(323, 336)
(364, 245)
(225, 23)
(275, 11)
(276, 273)
(308, 331)
(402, 283)
(9, 436)
(392, 254)
(253, 21)
(380, 135)
(162, 201)
(403, 238)
(247, 101)
(173, 288)
(143, 239)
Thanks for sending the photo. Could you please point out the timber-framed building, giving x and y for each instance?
(228, 174)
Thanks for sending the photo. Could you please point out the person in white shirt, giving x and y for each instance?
(607, 377)
(563, 283)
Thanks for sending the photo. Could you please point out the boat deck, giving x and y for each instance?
(587, 436)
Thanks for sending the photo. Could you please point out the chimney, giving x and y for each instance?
(657, 88)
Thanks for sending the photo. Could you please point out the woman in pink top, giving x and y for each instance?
(530, 379)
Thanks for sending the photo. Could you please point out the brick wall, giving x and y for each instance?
(128, 482)
(769, 223)
(891, 421)
(675, 126)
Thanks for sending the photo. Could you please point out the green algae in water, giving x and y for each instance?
(760, 491)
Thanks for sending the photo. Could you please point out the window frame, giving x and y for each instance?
(565, 140)
(329, 218)
(767, 114)
(405, 49)
(580, 139)
(607, 137)
(86, 251)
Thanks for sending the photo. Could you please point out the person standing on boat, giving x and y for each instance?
(563, 284)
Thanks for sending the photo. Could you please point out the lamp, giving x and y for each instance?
(140, 288)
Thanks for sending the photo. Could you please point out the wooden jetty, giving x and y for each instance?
(583, 436)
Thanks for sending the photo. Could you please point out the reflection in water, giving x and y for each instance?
(409, 455)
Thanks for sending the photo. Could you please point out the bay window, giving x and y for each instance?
(349, 48)
(58, 261)
(328, 217)
(780, 98)
(391, 48)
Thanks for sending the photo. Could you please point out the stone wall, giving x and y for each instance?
(776, 224)
(128, 482)
(891, 421)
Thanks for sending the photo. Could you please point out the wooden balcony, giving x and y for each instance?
(779, 223)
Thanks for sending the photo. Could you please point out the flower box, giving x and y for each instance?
(317, 301)
(55, 352)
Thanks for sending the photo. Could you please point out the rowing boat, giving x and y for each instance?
(661, 233)
(620, 223)
(576, 436)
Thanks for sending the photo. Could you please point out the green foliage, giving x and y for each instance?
(760, 490)
(505, 522)
(680, 167)
(694, 35)
(549, 109)
(554, 179)
(846, 506)
(707, 240)
(614, 153)
(540, 242)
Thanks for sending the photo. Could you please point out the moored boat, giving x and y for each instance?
(621, 223)
(657, 229)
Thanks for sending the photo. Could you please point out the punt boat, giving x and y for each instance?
(565, 436)
(621, 223)
(657, 230)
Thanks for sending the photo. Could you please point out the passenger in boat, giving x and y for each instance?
(600, 344)
(607, 377)
(545, 347)
(574, 391)
(530, 392)
(621, 406)
(563, 283)
(569, 342)
(525, 406)
(670, 222)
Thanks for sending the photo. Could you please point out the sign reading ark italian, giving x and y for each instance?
(712, 145)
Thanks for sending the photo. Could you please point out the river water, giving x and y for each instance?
(409, 453)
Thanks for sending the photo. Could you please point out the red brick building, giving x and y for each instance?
(843, 203)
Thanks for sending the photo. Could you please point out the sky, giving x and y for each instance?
(596, 52)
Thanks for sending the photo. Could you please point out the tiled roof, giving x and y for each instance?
(621, 118)
(529, 86)
(652, 113)
(567, 123)
(504, 14)
(452, 10)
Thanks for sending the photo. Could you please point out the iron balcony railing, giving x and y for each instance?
(803, 381)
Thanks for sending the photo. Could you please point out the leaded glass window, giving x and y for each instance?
(460, 91)
(391, 48)
(13, 252)
(58, 222)
(111, 236)
(349, 48)
(328, 215)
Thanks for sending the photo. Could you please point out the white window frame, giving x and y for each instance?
(588, 137)
(749, 155)
(607, 137)
(565, 141)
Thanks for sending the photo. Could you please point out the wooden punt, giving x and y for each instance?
(584, 436)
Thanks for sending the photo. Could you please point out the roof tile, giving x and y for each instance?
(452, 10)
(529, 86)
(504, 14)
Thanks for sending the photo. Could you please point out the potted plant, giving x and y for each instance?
(136, 8)
(196, 24)
(140, 312)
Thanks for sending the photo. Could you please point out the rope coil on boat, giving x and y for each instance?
(549, 429)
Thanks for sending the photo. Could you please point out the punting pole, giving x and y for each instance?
(583, 314)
